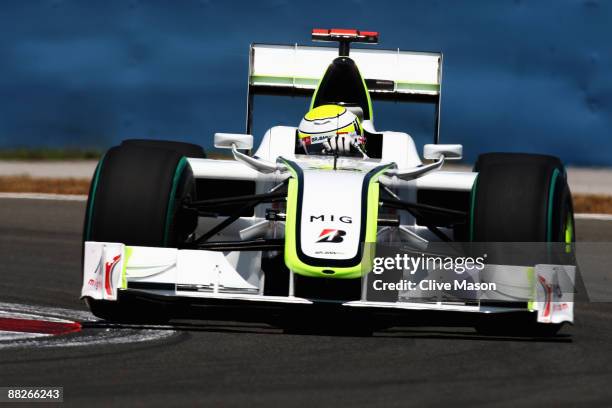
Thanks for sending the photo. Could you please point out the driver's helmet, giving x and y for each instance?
(330, 121)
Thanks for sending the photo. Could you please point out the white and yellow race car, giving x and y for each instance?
(283, 235)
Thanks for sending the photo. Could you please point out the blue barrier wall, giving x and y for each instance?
(529, 76)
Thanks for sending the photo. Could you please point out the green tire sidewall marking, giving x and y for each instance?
(175, 182)
(569, 233)
(92, 198)
(472, 207)
(551, 196)
(569, 229)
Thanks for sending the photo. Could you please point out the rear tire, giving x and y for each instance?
(136, 198)
(520, 198)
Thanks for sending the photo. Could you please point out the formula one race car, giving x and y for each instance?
(289, 232)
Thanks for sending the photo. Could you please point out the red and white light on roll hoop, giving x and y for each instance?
(341, 34)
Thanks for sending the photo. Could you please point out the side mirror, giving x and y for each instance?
(227, 140)
(449, 151)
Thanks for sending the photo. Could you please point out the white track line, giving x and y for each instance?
(12, 336)
(31, 316)
(601, 217)
(104, 337)
(56, 312)
(41, 196)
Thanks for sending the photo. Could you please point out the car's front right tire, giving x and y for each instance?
(520, 198)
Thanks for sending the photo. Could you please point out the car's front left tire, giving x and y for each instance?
(137, 197)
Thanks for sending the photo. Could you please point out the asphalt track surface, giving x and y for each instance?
(224, 363)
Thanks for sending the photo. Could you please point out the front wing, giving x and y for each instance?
(223, 278)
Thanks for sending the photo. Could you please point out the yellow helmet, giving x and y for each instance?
(327, 121)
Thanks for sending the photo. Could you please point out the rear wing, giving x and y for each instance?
(396, 75)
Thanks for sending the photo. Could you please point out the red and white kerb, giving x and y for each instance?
(18, 326)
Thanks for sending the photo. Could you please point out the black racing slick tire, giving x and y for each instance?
(137, 197)
(520, 198)
(186, 149)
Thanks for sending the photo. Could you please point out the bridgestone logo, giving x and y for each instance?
(331, 235)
